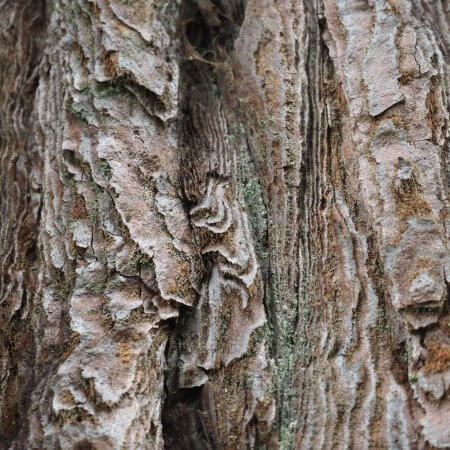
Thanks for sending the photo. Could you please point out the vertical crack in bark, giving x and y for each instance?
(22, 26)
(221, 353)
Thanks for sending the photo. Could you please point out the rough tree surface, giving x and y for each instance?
(224, 224)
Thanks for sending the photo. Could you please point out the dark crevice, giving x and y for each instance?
(21, 51)
(185, 421)
(208, 31)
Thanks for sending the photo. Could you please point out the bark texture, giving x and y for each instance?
(224, 224)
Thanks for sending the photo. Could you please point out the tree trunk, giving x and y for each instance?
(224, 224)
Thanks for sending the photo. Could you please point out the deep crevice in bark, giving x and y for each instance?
(209, 32)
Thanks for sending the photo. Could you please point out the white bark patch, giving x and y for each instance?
(380, 65)
(81, 232)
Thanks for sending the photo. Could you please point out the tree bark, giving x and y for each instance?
(224, 224)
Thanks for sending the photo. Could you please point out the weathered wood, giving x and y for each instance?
(224, 224)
